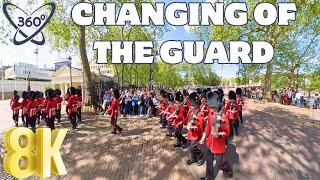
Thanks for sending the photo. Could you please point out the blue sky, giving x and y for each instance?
(10, 53)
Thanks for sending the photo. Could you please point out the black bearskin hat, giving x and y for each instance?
(179, 96)
(194, 99)
(24, 94)
(239, 91)
(163, 93)
(37, 94)
(212, 99)
(49, 93)
(185, 93)
(32, 95)
(204, 93)
(78, 92)
(199, 91)
(116, 93)
(72, 90)
(232, 95)
(170, 97)
(221, 93)
(16, 97)
(58, 92)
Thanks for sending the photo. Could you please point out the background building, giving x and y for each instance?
(60, 64)
(23, 70)
(101, 69)
(61, 79)
(2, 71)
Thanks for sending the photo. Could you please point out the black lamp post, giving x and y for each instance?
(70, 61)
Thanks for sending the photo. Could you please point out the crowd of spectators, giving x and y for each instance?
(287, 96)
(133, 101)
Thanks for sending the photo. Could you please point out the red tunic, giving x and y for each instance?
(50, 109)
(72, 104)
(231, 110)
(239, 102)
(217, 145)
(32, 108)
(180, 119)
(163, 104)
(15, 106)
(195, 134)
(79, 99)
(41, 103)
(23, 106)
(58, 100)
(170, 112)
(114, 108)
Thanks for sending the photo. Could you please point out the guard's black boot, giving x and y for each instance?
(190, 161)
(177, 145)
(114, 131)
(200, 162)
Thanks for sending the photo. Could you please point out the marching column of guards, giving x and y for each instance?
(37, 108)
(203, 121)
(210, 120)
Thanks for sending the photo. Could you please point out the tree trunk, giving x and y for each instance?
(118, 75)
(268, 76)
(87, 79)
(122, 78)
(292, 78)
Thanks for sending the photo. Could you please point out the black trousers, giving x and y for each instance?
(15, 118)
(32, 122)
(212, 171)
(209, 163)
(79, 114)
(73, 119)
(240, 117)
(171, 129)
(234, 126)
(195, 151)
(23, 118)
(163, 121)
(180, 138)
(50, 122)
(58, 115)
(114, 124)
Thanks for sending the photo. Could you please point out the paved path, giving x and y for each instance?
(275, 143)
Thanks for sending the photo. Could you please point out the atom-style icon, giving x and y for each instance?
(39, 26)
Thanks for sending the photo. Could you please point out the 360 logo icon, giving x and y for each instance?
(28, 26)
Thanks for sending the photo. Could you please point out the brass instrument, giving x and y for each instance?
(189, 125)
(177, 109)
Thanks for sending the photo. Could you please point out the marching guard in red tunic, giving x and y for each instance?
(170, 115)
(216, 131)
(50, 108)
(32, 109)
(58, 100)
(72, 106)
(23, 107)
(162, 105)
(240, 103)
(196, 119)
(79, 107)
(232, 113)
(113, 110)
(15, 106)
(179, 120)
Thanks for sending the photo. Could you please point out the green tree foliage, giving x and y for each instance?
(291, 54)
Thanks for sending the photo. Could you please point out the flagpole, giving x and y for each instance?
(15, 76)
(2, 81)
